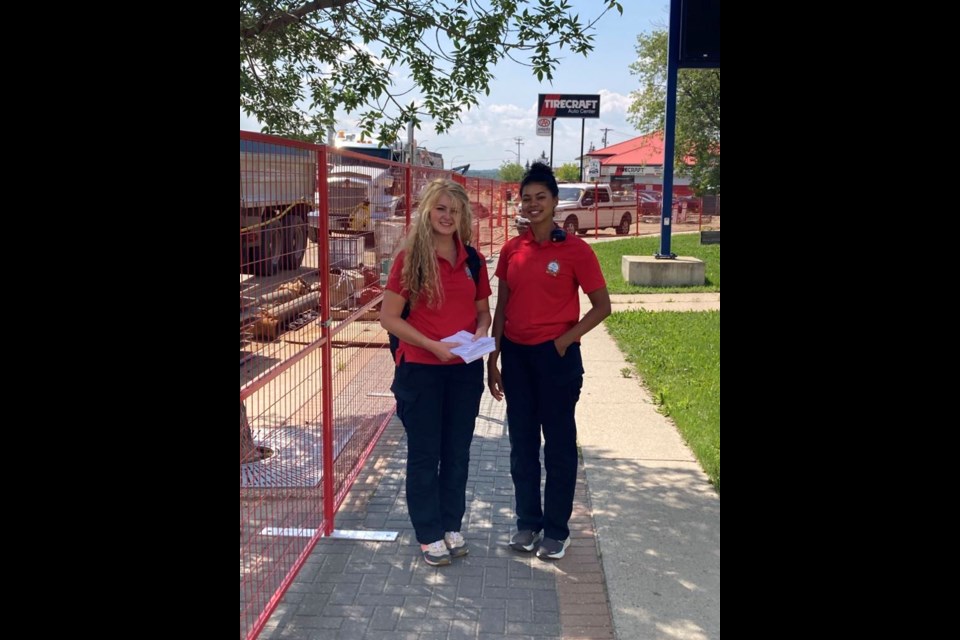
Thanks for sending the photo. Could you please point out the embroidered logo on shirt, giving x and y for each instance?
(553, 268)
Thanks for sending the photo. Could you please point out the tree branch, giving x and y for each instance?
(279, 22)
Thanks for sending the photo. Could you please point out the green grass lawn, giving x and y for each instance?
(678, 356)
(609, 254)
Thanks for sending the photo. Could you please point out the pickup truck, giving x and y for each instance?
(576, 212)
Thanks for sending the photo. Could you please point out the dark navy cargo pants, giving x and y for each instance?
(438, 405)
(542, 390)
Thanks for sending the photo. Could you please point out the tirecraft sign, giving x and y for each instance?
(566, 105)
(641, 171)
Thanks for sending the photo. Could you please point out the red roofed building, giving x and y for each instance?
(637, 164)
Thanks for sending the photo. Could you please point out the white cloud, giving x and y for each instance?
(613, 102)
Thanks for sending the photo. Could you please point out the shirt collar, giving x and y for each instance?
(529, 239)
(461, 253)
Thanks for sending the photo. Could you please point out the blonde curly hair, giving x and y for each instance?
(421, 273)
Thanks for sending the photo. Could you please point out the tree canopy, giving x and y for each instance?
(698, 110)
(392, 61)
(511, 172)
(568, 172)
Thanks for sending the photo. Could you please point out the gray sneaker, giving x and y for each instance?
(551, 549)
(525, 540)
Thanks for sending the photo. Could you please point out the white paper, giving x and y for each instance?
(468, 349)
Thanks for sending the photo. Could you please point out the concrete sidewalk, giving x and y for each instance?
(644, 562)
(656, 516)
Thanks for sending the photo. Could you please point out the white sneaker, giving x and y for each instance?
(435, 554)
(455, 544)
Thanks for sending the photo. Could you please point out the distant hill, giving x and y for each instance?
(484, 173)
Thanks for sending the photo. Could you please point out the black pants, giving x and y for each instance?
(542, 390)
(438, 405)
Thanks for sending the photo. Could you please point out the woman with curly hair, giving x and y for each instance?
(438, 394)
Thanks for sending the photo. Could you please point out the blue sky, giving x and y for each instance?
(485, 136)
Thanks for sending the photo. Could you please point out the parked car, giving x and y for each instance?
(650, 203)
(585, 206)
(522, 224)
(692, 203)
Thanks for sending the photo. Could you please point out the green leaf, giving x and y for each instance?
(300, 63)
(697, 134)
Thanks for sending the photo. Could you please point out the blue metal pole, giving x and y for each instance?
(673, 60)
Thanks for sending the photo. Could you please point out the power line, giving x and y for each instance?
(625, 135)
(605, 136)
(519, 141)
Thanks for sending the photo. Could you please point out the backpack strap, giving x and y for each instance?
(473, 261)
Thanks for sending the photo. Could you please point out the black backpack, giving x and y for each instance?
(473, 261)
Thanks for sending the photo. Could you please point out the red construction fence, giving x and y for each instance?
(315, 370)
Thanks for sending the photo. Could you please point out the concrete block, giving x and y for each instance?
(648, 271)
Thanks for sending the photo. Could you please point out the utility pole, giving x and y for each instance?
(605, 136)
(519, 142)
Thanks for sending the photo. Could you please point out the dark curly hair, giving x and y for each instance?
(541, 174)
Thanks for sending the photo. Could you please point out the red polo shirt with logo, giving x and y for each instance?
(459, 309)
(543, 278)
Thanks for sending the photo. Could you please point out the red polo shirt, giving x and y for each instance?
(459, 310)
(543, 278)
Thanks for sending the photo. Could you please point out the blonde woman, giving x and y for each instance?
(438, 394)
